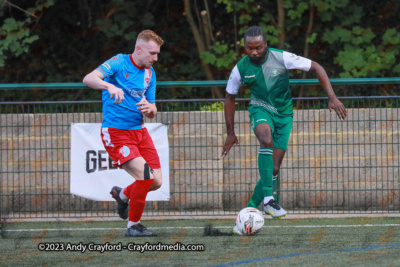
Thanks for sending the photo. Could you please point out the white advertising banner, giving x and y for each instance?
(92, 174)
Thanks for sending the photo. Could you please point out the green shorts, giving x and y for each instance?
(281, 126)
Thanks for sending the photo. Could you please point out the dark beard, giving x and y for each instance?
(258, 59)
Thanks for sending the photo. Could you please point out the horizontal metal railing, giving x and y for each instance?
(166, 84)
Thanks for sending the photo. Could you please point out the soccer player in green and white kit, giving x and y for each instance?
(265, 71)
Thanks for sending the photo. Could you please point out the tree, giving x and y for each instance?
(349, 38)
(61, 41)
(75, 37)
(16, 34)
(202, 33)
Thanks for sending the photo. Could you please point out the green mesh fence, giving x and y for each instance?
(331, 166)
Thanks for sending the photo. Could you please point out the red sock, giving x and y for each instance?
(127, 190)
(138, 192)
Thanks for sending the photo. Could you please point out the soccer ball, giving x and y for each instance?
(249, 221)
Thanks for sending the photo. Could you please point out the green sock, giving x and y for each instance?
(264, 185)
(258, 195)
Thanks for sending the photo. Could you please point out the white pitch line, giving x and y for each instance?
(198, 227)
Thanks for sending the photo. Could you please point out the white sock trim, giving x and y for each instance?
(132, 223)
(267, 199)
(122, 196)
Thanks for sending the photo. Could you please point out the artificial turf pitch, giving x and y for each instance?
(302, 242)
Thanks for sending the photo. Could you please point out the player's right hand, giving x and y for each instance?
(117, 93)
(230, 140)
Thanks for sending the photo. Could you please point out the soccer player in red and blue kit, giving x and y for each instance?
(129, 87)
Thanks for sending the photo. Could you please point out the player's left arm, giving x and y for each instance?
(334, 102)
(147, 109)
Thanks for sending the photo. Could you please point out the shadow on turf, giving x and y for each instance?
(209, 230)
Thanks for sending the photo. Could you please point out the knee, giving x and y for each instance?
(263, 133)
(156, 184)
(266, 142)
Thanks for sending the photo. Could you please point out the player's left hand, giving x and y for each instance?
(145, 107)
(338, 107)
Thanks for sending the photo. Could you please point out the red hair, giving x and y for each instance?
(148, 35)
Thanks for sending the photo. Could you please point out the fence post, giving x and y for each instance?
(276, 187)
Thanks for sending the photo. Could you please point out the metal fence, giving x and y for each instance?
(331, 166)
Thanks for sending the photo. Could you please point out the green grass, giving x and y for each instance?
(303, 242)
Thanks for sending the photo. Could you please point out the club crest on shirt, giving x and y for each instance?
(126, 75)
(274, 72)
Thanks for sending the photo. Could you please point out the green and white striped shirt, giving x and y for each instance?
(268, 82)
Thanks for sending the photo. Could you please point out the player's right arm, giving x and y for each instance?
(232, 89)
(95, 80)
(229, 120)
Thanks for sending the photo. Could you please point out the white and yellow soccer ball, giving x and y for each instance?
(249, 221)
